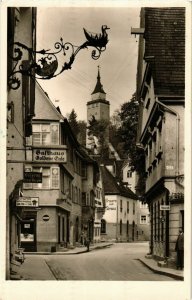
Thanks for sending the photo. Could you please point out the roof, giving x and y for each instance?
(98, 87)
(165, 41)
(113, 187)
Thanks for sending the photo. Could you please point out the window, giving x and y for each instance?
(120, 227)
(83, 199)
(84, 170)
(50, 178)
(133, 208)
(10, 112)
(121, 207)
(143, 219)
(103, 226)
(128, 207)
(45, 134)
(62, 180)
(127, 228)
(148, 103)
(143, 205)
(129, 174)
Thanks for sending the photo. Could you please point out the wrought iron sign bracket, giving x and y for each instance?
(44, 64)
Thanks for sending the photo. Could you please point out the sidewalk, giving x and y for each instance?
(76, 250)
(152, 265)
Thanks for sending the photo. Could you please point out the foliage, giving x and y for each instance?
(129, 115)
(81, 137)
(72, 119)
(99, 129)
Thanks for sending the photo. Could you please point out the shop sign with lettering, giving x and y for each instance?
(50, 155)
(32, 177)
(164, 207)
(28, 201)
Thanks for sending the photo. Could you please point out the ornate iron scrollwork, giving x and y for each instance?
(44, 64)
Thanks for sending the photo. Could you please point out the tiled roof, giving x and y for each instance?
(113, 187)
(165, 40)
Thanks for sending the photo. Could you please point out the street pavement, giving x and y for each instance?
(101, 263)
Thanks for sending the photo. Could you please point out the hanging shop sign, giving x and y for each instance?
(32, 177)
(50, 155)
(164, 207)
(28, 201)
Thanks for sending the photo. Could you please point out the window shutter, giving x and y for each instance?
(54, 134)
(55, 177)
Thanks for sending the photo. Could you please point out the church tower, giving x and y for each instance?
(98, 107)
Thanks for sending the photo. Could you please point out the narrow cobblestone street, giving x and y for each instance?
(120, 262)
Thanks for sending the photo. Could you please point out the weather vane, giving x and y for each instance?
(47, 65)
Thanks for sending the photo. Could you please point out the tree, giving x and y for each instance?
(81, 137)
(72, 119)
(99, 129)
(129, 115)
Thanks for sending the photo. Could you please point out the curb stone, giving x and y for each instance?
(175, 276)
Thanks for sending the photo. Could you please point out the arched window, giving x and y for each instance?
(103, 226)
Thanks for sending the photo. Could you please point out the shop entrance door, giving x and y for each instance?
(28, 234)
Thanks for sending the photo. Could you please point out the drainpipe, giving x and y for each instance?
(177, 132)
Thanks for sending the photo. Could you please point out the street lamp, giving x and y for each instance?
(47, 66)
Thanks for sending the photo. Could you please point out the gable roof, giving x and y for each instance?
(165, 41)
(113, 187)
(44, 108)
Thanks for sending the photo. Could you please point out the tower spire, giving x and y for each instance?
(99, 86)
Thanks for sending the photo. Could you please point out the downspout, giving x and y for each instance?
(177, 132)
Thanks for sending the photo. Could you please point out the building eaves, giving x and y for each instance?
(112, 186)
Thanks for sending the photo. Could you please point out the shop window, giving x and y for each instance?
(103, 226)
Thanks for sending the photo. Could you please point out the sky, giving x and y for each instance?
(118, 63)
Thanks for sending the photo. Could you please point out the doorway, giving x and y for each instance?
(27, 234)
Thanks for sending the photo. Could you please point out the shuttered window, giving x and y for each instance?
(55, 177)
(54, 134)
